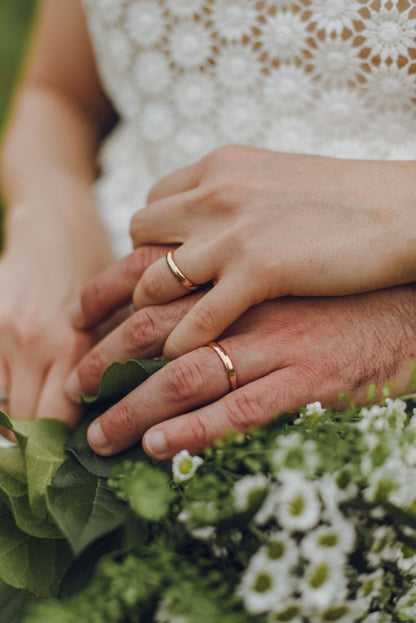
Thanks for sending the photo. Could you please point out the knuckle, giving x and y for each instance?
(141, 328)
(154, 193)
(183, 380)
(243, 409)
(198, 431)
(222, 156)
(204, 320)
(135, 228)
(27, 331)
(92, 297)
(224, 194)
(91, 368)
(140, 259)
(125, 418)
(151, 284)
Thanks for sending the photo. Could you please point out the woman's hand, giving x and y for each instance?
(47, 262)
(286, 353)
(260, 225)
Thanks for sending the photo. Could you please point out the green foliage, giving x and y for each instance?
(118, 380)
(51, 504)
(145, 489)
(13, 603)
(148, 547)
(83, 506)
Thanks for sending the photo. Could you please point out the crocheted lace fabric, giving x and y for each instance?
(329, 77)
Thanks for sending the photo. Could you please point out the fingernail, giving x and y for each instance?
(73, 387)
(77, 315)
(96, 437)
(156, 443)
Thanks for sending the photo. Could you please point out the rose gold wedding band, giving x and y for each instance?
(228, 364)
(178, 274)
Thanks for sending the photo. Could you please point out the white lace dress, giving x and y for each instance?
(330, 77)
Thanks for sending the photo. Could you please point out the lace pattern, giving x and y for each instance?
(331, 77)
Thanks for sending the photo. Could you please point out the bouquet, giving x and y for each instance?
(310, 519)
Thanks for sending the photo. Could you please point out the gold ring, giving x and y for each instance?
(228, 364)
(178, 274)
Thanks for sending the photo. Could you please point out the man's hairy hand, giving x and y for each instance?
(287, 353)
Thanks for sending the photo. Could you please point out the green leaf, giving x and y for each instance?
(83, 506)
(13, 603)
(42, 443)
(12, 463)
(37, 565)
(118, 380)
(16, 499)
(98, 465)
(122, 377)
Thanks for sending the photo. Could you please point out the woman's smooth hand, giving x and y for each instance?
(258, 225)
(41, 273)
(286, 353)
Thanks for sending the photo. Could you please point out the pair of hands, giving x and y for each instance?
(257, 225)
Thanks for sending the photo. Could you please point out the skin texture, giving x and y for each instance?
(54, 240)
(286, 352)
(260, 225)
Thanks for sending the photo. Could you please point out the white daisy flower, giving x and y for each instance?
(384, 547)
(315, 408)
(299, 507)
(264, 585)
(378, 617)
(295, 453)
(284, 35)
(189, 45)
(281, 549)
(203, 533)
(406, 606)
(249, 490)
(323, 585)
(145, 22)
(288, 610)
(332, 540)
(233, 19)
(389, 33)
(372, 585)
(163, 614)
(267, 510)
(350, 611)
(184, 465)
(334, 15)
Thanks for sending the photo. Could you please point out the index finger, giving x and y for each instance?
(113, 288)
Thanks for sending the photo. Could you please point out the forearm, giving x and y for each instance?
(48, 167)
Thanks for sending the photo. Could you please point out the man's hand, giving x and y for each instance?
(286, 353)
